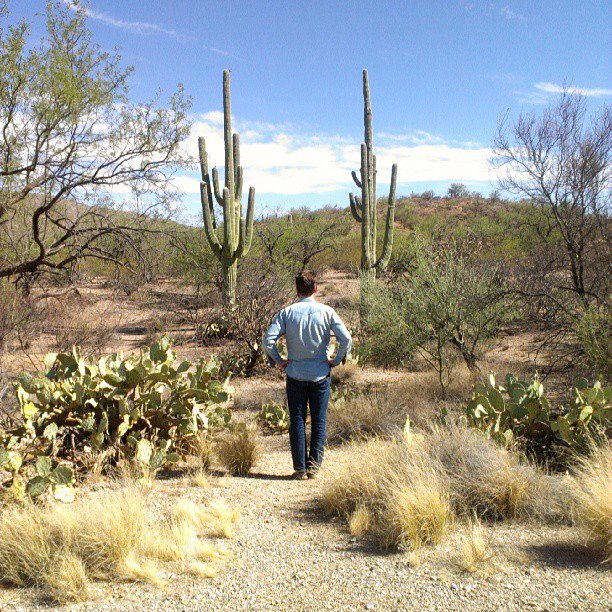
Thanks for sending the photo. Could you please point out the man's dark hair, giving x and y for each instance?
(306, 283)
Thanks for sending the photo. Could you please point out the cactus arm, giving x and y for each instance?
(209, 228)
(357, 181)
(366, 246)
(206, 177)
(385, 256)
(215, 180)
(239, 175)
(246, 227)
(374, 208)
(248, 236)
(355, 207)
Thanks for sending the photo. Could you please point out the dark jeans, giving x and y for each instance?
(300, 395)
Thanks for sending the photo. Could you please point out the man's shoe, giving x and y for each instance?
(312, 474)
(300, 476)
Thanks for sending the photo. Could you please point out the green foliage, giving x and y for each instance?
(595, 334)
(442, 306)
(144, 409)
(520, 414)
(274, 416)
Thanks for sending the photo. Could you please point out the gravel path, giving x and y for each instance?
(286, 557)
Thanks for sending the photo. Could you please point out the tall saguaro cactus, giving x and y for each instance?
(364, 208)
(237, 231)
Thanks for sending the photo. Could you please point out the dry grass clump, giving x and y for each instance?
(67, 580)
(371, 414)
(592, 492)
(484, 478)
(476, 554)
(239, 450)
(107, 536)
(344, 374)
(391, 490)
(406, 491)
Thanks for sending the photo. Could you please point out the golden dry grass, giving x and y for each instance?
(239, 450)
(476, 554)
(67, 580)
(484, 478)
(203, 451)
(407, 491)
(366, 415)
(107, 535)
(360, 521)
(592, 492)
(391, 488)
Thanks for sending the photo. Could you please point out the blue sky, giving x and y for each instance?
(441, 74)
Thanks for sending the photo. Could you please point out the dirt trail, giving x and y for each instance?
(287, 557)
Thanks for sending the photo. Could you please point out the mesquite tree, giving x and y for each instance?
(72, 145)
(364, 208)
(237, 232)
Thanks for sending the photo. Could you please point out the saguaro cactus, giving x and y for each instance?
(237, 231)
(364, 208)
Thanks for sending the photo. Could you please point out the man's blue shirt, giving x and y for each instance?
(307, 327)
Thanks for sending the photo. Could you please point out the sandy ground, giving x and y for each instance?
(287, 556)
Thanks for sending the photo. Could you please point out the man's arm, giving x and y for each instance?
(343, 338)
(275, 331)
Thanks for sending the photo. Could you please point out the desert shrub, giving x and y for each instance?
(274, 416)
(487, 480)
(239, 449)
(407, 490)
(108, 535)
(443, 308)
(346, 373)
(73, 326)
(262, 291)
(520, 414)
(389, 488)
(592, 492)
(145, 408)
(363, 415)
(595, 334)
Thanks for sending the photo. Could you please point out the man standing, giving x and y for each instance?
(307, 327)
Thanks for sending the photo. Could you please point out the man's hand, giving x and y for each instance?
(331, 363)
(282, 366)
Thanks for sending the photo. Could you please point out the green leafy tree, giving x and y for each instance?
(443, 308)
(70, 142)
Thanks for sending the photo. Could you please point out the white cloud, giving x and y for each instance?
(583, 91)
(543, 91)
(283, 160)
(138, 27)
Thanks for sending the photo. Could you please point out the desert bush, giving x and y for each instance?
(239, 450)
(487, 480)
(274, 416)
(392, 490)
(363, 415)
(592, 492)
(145, 408)
(73, 326)
(108, 535)
(262, 291)
(520, 414)
(443, 309)
(595, 334)
(407, 490)
(560, 160)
